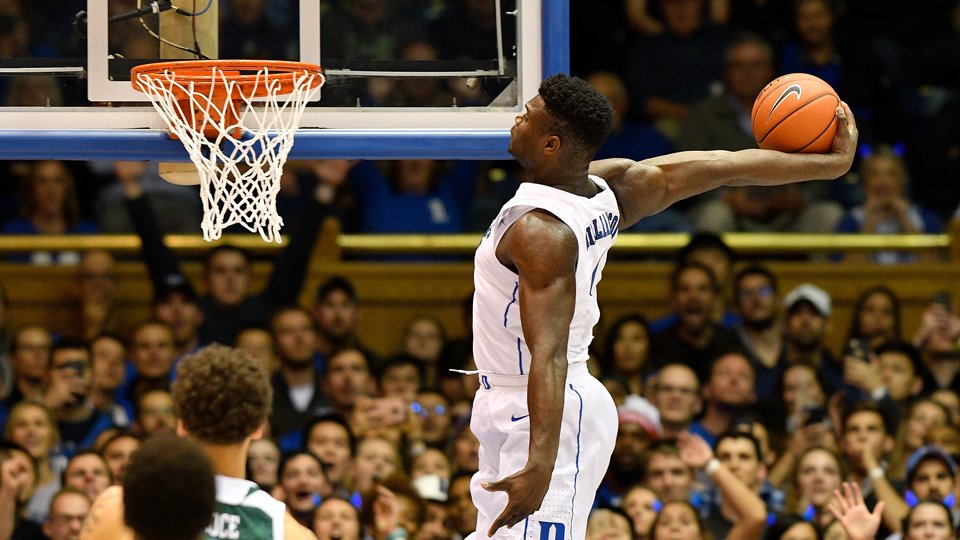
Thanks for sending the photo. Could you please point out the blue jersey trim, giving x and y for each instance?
(520, 355)
(576, 474)
(526, 522)
(516, 287)
(593, 276)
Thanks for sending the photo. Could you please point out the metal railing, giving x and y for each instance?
(336, 246)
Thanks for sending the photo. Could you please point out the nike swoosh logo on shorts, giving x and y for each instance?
(518, 418)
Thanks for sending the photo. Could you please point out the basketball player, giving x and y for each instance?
(223, 399)
(546, 427)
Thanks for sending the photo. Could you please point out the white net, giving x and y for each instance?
(238, 135)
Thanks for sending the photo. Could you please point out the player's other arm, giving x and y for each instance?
(647, 187)
(105, 519)
(543, 251)
(292, 530)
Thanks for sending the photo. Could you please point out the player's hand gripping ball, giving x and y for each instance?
(796, 113)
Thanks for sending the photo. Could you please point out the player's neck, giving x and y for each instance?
(228, 459)
(570, 179)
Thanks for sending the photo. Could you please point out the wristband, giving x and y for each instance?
(877, 473)
(711, 467)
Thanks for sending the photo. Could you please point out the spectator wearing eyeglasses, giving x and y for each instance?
(755, 299)
(433, 410)
(676, 394)
(68, 509)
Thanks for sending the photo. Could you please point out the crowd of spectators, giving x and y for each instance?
(736, 419)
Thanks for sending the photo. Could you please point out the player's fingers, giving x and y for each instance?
(506, 519)
(847, 116)
(499, 485)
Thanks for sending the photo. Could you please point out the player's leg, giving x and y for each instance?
(587, 436)
(487, 405)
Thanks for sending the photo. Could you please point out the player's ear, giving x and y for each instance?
(551, 144)
(181, 431)
(258, 434)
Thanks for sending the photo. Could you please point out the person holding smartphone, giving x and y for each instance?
(68, 396)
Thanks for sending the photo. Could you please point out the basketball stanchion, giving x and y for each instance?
(237, 120)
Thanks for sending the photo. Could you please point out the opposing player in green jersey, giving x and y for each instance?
(223, 400)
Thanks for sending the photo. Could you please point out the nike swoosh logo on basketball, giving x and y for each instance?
(518, 418)
(792, 89)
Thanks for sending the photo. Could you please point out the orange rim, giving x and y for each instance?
(207, 79)
(246, 74)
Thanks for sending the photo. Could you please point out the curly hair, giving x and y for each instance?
(169, 490)
(222, 395)
(581, 112)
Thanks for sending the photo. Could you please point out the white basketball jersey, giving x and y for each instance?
(498, 344)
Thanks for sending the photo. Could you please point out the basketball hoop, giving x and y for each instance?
(237, 120)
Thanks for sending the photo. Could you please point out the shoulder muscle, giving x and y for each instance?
(539, 243)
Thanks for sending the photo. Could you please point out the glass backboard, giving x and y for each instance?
(413, 78)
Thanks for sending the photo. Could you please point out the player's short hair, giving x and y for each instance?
(222, 395)
(169, 491)
(582, 113)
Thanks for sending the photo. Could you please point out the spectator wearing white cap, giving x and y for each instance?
(639, 427)
(436, 523)
(806, 326)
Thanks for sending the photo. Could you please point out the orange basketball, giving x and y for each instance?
(796, 113)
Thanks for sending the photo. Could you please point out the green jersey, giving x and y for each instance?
(245, 512)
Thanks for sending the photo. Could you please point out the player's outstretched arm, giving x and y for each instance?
(647, 187)
(543, 251)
